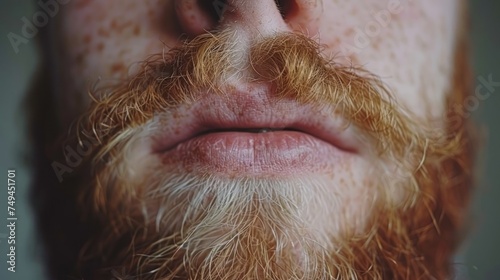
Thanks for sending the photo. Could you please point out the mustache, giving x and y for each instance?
(292, 63)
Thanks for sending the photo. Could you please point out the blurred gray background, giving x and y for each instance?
(479, 258)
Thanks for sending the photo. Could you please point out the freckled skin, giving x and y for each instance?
(410, 46)
(411, 52)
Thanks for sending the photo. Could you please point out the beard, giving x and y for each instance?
(149, 218)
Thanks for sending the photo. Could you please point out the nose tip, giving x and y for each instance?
(255, 17)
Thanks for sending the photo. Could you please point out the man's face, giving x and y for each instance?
(262, 139)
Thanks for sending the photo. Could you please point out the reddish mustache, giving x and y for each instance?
(291, 63)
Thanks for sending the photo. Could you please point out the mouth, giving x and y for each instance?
(251, 134)
(244, 130)
(248, 130)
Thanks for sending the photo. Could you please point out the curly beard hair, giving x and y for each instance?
(111, 218)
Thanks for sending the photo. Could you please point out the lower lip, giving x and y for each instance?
(269, 153)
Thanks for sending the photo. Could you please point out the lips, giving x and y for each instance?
(251, 134)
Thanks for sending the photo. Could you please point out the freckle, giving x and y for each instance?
(117, 67)
(103, 33)
(349, 32)
(336, 42)
(354, 60)
(114, 25)
(82, 3)
(137, 30)
(354, 12)
(87, 38)
(100, 47)
(79, 58)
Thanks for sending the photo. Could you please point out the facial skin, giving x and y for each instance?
(103, 40)
(306, 141)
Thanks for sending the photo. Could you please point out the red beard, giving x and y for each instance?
(112, 235)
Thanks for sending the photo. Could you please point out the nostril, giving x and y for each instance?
(287, 8)
(195, 17)
(198, 16)
(214, 8)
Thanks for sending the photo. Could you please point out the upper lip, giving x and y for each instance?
(241, 111)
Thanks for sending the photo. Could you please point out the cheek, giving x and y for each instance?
(408, 44)
(103, 40)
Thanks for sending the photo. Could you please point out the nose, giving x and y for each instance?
(260, 17)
